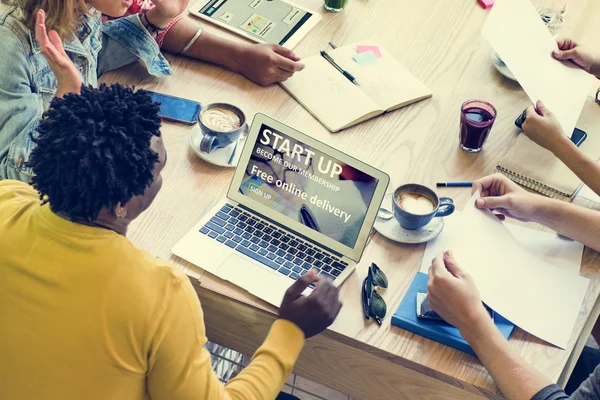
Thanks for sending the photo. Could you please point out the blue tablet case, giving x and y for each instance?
(405, 317)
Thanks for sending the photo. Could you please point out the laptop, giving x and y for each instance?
(294, 204)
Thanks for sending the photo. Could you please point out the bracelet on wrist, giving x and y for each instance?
(154, 29)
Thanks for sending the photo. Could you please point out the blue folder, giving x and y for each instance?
(405, 317)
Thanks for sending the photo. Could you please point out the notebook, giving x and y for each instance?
(405, 317)
(384, 85)
(538, 169)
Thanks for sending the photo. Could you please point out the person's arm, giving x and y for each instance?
(500, 194)
(261, 63)
(575, 222)
(582, 165)
(180, 366)
(453, 295)
(543, 128)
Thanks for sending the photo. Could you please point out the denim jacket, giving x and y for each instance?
(27, 83)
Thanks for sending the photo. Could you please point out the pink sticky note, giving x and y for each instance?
(486, 3)
(374, 49)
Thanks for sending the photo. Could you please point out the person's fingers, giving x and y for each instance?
(288, 65)
(483, 184)
(452, 265)
(287, 53)
(321, 290)
(566, 55)
(57, 42)
(438, 267)
(492, 202)
(40, 29)
(565, 43)
(541, 108)
(296, 289)
(281, 74)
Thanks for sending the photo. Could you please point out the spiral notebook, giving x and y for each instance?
(538, 169)
(383, 85)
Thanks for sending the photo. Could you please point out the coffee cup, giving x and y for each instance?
(416, 205)
(221, 125)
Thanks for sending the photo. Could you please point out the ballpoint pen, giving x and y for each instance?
(347, 74)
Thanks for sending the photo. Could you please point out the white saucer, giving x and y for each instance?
(501, 67)
(391, 229)
(220, 156)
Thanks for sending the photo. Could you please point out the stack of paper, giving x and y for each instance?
(531, 278)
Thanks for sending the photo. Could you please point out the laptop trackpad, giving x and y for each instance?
(254, 278)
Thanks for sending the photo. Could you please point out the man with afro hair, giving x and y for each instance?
(84, 314)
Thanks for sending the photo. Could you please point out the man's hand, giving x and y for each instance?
(453, 294)
(543, 128)
(267, 63)
(312, 314)
(68, 78)
(500, 194)
(569, 50)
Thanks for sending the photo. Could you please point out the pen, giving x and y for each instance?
(347, 74)
(333, 46)
(454, 184)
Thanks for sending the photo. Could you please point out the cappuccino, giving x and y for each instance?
(220, 119)
(415, 203)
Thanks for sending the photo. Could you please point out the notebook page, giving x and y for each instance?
(521, 39)
(387, 82)
(328, 95)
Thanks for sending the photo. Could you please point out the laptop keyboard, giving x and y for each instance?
(266, 243)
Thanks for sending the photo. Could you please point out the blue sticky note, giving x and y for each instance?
(366, 58)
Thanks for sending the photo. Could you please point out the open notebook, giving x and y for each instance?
(384, 85)
(538, 169)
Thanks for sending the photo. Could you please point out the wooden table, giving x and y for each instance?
(440, 42)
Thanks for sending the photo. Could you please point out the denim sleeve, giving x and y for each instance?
(126, 40)
(20, 108)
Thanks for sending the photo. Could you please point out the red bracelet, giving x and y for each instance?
(161, 36)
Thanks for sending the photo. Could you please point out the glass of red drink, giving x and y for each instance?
(476, 120)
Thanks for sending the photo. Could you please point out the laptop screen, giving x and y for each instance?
(308, 186)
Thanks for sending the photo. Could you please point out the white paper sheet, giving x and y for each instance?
(513, 275)
(519, 36)
(548, 246)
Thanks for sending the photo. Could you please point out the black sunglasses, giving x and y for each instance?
(373, 304)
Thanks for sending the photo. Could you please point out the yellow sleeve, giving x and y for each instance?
(180, 366)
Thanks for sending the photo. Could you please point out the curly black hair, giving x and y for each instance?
(93, 150)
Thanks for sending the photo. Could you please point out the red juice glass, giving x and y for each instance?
(476, 120)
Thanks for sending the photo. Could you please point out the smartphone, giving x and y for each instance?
(424, 311)
(177, 109)
(577, 137)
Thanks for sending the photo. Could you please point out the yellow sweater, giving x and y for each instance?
(86, 315)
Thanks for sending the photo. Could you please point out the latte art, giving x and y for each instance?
(221, 119)
(415, 203)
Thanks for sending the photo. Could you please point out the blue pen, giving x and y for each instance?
(454, 184)
(347, 74)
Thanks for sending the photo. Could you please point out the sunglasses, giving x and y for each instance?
(373, 304)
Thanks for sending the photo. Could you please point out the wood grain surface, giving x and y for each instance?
(441, 44)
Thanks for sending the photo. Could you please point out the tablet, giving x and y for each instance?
(262, 21)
